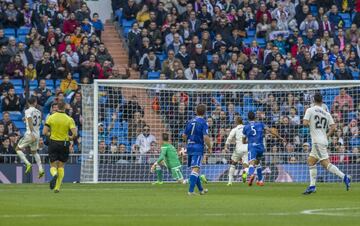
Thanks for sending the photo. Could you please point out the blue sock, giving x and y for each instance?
(259, 172)
(192, 181)
(199, 185)
(251, 170)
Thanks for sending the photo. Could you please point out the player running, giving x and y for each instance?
(196, 136)
(254, 136)
(170, 159)
(31, 136)
(240, 152)
(319, 122)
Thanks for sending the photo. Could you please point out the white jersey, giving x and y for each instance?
(237, 133)
(320, 120)
(35, 115)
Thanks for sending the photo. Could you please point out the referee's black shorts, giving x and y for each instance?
(59, 150)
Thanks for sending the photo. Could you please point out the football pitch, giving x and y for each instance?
(169, 204)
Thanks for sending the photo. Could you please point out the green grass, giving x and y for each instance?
(168, 204)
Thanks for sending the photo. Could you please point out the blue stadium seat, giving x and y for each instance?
(251, 33)
(209, 58)
(345, 16)
(261, 42)
(247, 41)
(161, 57)
(15, 116)
(20, 124)
(9, 32)
(57, 83)
(126, 31)
(23, 31)
(314, 10)
(16, 82)
(355, 74)
(153, 75)
(21, 38)
(18, 90)
(118, 14)
(33, 84)
(347, 23)
(127, 23)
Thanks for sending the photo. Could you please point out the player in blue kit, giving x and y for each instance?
(254, 136)
(196, 136)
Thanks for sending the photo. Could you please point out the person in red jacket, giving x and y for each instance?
(70, 24)
(67, 41)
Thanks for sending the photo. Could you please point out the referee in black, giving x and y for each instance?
(57, 127)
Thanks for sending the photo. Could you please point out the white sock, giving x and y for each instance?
(332, 168)
(22, 157)
(313, 175)
(231, 173)
(38, 161)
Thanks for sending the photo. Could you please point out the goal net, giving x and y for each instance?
(124, 120)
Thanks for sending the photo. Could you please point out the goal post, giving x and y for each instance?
(123, 121)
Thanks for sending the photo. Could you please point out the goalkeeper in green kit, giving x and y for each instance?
(170, 159)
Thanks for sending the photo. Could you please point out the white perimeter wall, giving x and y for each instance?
(102, 7)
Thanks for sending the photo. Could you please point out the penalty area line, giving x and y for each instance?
(342, 212)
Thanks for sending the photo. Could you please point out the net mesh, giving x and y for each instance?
(125, 110)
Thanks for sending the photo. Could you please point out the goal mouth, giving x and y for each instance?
(116, 111)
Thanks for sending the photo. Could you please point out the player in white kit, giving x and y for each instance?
(321, 126)
(240, 152)
(31, 136)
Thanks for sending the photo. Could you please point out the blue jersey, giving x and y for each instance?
(254, 132)
(195, 131)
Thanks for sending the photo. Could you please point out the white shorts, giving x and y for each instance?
(319, 151)
(27, 141)
(242, 154)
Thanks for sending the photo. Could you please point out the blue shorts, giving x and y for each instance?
(194, 160)
(256, 151)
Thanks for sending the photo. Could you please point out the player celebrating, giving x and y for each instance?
(254, 135)
(170, 159)
(319, 122)
(195, 135)
(240, 152)
(31, 137)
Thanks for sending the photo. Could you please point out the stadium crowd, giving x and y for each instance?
(250, 40)
(48, 49)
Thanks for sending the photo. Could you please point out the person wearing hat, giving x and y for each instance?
(199, 57)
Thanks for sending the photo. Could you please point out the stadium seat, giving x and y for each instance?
(20, 124)
(355, 74)
(126, 31)
(57, 83)
(33, 84)
(21, 38)
(347, 23)
(15, 116)
(18, 90)
(251, 33)
(118, 14)
(153, 75)
(209, 58)
(247, 41)
(261, 42)
(9, 32)
(127, 23)
(23, 31)
(345, 16)
(314, 10)
(161, 57)
(16, 82)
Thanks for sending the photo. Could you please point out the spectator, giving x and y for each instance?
(263, 27)
(3, 39)
(143, 15)
(11, 102)
(143, 141)
(37, 51)
(191, 73)
(6, 84)
(15, 69)
(103, 55)
(42, 92)
(309, 23)
(344, 98)
(343, 73)
(25, 55)
(68, 85)
(151, 64)
(7, 123)
(82, 13)
(130, 10)
(5, 58)
(44, 68)
(6, 149)
(98, 25)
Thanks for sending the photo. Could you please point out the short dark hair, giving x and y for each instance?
(165, 136)
(238, 120)
(318, 98)
(61, 105)
(32, 100)
(201, 109)
(251, 115)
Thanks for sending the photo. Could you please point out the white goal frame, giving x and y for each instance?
(317, 84)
